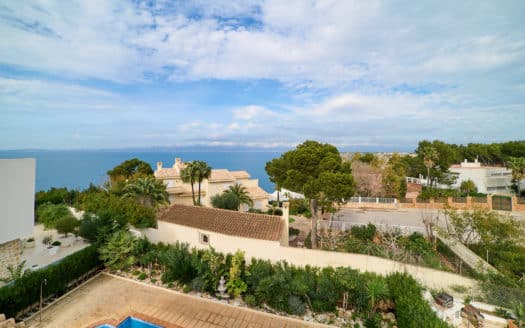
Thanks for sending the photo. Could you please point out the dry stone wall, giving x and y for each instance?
(9, 256)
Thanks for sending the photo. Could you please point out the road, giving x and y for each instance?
(403, 217)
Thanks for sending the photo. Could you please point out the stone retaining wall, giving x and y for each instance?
(9, 256)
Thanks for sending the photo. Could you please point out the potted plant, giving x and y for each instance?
(30, 243)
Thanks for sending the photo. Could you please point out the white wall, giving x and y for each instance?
(17, 198)
(271, 250)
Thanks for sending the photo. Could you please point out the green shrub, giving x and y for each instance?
(117, 253)
(411, 309)
(276, 211)
(142, 276)
(198, 285)
(153, 280)
(136, 272)
(293, 231)
(296, 305)
(49, 214)
(66, 225)
(56, 243)
(177, 260)
(255, 272)
(26, 291)
(249, 299)
(364, 233)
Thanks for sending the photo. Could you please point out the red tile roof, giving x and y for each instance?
(233, 223)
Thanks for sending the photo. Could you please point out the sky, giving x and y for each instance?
(89, 74)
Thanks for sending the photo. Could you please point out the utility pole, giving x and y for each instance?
(43, 283)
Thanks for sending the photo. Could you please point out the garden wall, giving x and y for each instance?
(271, 250)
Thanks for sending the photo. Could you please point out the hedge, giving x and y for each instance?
(25, 291)
(412, 311)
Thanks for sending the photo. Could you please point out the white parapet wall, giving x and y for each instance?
(17, 198)
(273, 251)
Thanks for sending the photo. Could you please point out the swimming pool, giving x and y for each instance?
(131, 322)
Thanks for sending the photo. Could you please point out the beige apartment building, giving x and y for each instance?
(219, 181)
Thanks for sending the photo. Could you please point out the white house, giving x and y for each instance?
(488, 179)
(224, 230)
(219, 181)
(285, 195)
(17, 203)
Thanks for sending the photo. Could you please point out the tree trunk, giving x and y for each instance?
(200, 181)
(313, 210)
(192, 191)
(428, 176)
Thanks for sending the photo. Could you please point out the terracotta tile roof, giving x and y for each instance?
(257, 192)
(221, 175)
(240, 174)
(233, 223)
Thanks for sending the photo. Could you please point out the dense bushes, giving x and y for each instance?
(281, 286)
(110, 204)
(49, 214)
(410, 307)
(25, 291)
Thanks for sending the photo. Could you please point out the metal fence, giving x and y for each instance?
(461, 200)
(378, 200)
(479, 200)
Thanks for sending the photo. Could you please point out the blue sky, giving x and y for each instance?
(358, 74)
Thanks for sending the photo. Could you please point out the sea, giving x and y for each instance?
(76, 169)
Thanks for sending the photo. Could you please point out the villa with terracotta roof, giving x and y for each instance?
(224, 230)
(219, 181)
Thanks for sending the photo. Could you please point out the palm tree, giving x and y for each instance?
(241, 193)
(15, 272)
(188, 175)
(519, 312)
(148, 191)
(202, 171)
(376, 290)
(430, 156)
(517, 166)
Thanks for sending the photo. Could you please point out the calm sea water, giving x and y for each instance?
(77, 168)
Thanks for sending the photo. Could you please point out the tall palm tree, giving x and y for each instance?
(148, 191)
(202, 171)
(241, 193)
(189, 175)
(517, 166)
(430, 156)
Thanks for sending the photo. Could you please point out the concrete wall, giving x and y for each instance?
(17, 198)
(273, 251)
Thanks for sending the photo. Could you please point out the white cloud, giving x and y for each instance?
(252, 112)
(353, 71)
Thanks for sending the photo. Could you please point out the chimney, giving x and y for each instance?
(178, 163)
(159, 166)
(286, 220)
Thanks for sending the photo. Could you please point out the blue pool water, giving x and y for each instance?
(131, 322)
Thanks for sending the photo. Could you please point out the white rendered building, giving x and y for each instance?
(17, 203)
(488, 179)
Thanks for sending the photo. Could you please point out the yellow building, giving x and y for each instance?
(219, 181)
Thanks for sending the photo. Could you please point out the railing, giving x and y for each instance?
(479, 200)
(460, 200)
(377, 200)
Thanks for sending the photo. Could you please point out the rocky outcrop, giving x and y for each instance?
(10, 323)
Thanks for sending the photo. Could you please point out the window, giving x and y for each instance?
(204, 238)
